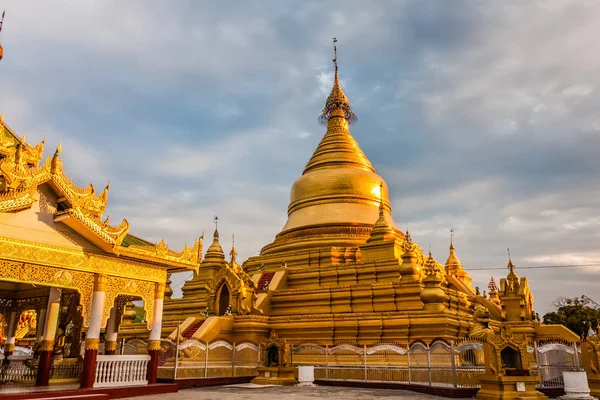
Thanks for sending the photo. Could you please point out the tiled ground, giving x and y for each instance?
(11, 388)
(255, 392)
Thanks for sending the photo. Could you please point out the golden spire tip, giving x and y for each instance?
(511, 265)
(337, 99)
(216, 234)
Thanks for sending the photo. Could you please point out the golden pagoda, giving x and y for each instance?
(339, 271)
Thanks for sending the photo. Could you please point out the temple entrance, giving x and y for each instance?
(26, 311)
(272, 356)
(511, 360)
(223, 300)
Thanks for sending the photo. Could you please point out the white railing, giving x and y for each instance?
(117, 370)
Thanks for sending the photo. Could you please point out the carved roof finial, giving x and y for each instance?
(407, 245)
(431, 266)
(452, 239)
(492, 286)
(19, 153)
(55, 164)
(200, 244)
(337, 99)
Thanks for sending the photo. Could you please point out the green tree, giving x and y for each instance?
(577, 314)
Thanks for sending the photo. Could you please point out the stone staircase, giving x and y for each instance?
(192, 329)
(265, 279)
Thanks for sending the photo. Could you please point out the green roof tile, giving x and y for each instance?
(130, 240)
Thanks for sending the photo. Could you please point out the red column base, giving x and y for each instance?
(44, 366)
(152, 374)
(110, 352)
(88, 374)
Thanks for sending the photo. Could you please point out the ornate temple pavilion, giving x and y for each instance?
(67, 275)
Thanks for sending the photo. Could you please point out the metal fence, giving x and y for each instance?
(454, 365)
(23, 370)
(554, 358)
(439, 364)
(194, 359)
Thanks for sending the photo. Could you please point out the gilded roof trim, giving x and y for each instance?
(83, 208)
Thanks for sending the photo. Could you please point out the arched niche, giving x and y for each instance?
(223, 299)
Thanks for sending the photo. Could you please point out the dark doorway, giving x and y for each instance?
(511, 359)
(223, 299)
(272, 356)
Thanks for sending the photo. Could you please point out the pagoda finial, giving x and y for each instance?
(2, 23)
(452, 239)
(233, 253)
(335, 62)
(216, 234)
(492, 286)
(407, 245)
(511, 265)
(381, 199)
(337, 99)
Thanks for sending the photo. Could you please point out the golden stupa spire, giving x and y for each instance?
(492, 286)
(453, 264)
(338, 148)
(382, 229)
(215, 251)
(2, 23)
(511, 268)
(216, 234)
(337, 99)
(233, 253)
(408, 246)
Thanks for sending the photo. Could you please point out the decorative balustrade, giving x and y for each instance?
(440, 364)
(121, 370)
(19, 369)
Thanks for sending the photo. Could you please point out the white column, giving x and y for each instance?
(110, 341)
(92, 339)
(111, 332)
(52, 312)
(154, 338)
(157, 320)
(11, 331)
(97, 309)
(41, 325)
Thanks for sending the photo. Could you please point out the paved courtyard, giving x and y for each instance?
(252, 392)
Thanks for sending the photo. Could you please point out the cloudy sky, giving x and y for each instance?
(481, 115)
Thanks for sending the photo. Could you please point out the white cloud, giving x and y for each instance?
(484, 120)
